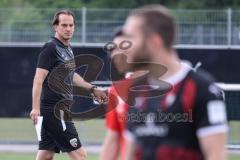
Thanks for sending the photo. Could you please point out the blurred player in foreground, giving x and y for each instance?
(187, 123)
(56, 134)
(114, 144)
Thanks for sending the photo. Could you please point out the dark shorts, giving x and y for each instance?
(58, 135)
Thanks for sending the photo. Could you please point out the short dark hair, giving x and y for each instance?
(55, 20)
(117, 32)
(159, 20)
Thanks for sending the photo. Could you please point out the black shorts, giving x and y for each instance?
(58, 135)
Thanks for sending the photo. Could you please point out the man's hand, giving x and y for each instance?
(99, 95)
(34, 115)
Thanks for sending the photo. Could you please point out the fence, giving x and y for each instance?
(95, 26)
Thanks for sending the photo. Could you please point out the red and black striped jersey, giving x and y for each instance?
(168, 126)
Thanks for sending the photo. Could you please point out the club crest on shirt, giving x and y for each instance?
(73, 142)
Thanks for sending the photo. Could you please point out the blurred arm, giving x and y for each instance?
(213, 146)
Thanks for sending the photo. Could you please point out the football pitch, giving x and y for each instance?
(31, 156)
(14, 130)
(21, 131)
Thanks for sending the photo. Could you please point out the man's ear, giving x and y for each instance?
(54, 28)
(156, 40)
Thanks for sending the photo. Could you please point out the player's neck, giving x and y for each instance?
(171, 61)
(65, 42)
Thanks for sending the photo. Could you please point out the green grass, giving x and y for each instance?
(31, 156)
(22, 129)
(234, 157)
(234, 132)
(16, 130)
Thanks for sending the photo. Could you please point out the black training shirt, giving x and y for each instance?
(58, 59)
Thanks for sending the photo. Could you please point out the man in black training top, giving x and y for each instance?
(188, 122)
(57, 134)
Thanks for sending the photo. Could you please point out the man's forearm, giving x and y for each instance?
(217, 157)
(79, 81)
(84, 88)
(213, 146)
(36, 94)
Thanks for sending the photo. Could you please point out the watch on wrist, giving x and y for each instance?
(92, 89)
